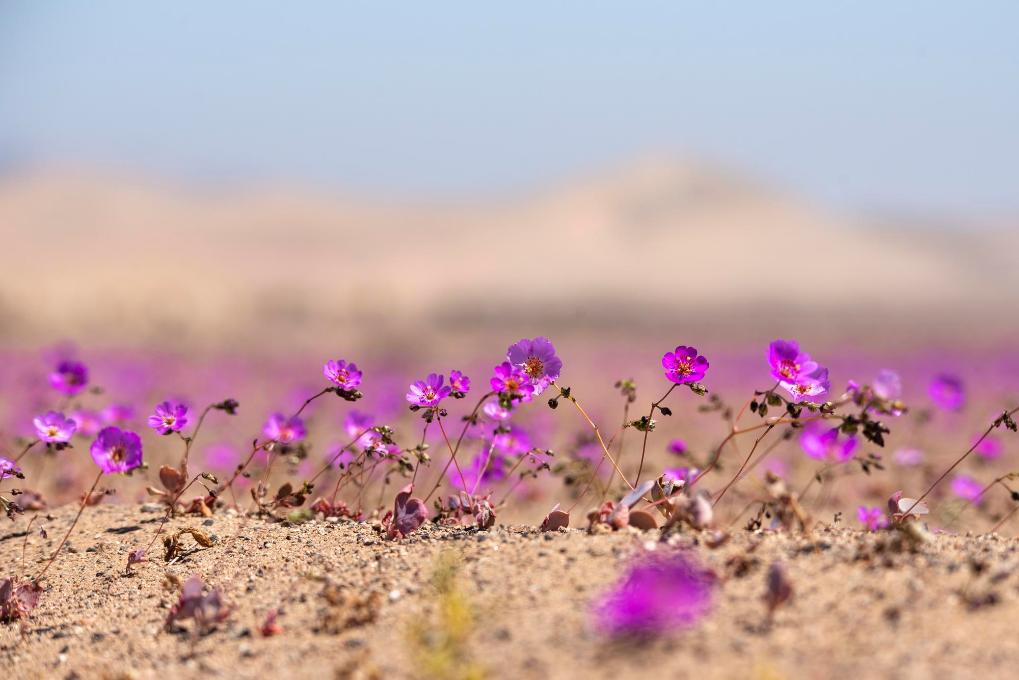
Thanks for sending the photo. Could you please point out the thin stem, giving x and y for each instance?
(597, 433)
(81, 508)
(459, 440)
(26, 449)
(332, 461)
(452, 456)
(958, 462)
(643, 448)
(743, 467)
(484, 467)
(189, 441)
(997, 526)
(169, 511)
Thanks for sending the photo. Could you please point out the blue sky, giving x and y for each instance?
(902, 106)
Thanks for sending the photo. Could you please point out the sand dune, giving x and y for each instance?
(115, 258)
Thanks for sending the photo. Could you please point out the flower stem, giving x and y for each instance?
(959, 461)
(597, 433)
(463, 432)
(81, 508)
(650, 415)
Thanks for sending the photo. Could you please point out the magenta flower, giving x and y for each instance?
(169, 417)
(69, 377)
(677, 447)
(89, 422)
(871, 518)
(887, 384)
(115, 450)
(966, 488)
(990, 448)
(823, 443)
(284, 430)
(511, 381)
(459, 383)
(684, 365)
(54, 428)
(494, 410)
(428, 392)
(908, 456)
(514, 442)
(788, 363)
(537, 359)
(809, 387)
(115, 414)
(356, 423)
(681, 474)
(947, 392)
(344, 375)
(8, 468)
(655, 596)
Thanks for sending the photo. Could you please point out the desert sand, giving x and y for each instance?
(353, 605)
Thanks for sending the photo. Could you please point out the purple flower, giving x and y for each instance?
(516, 441)
(947, 392)
(537, 359)
(8, 468)
(908, 456)
(494, 410)
(966, 488)
(990, 448)
(511, 380)
(824, 443)
(459, 383)
(495, 471)
(810, 386)
(871, 518)
(681, 474)
(344, 375)
(657, 595)
(356, 423)
(677, 447)
(684, 365)
(788, 363)
(89, 422)
(887, 384)
(169, 417)
(69, 377)
(54, 428)
(428, 392)
(114, 414)
(284, 430)
(115, 450)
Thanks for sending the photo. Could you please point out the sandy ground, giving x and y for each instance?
(861, 608)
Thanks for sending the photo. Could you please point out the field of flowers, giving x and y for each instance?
(702, 446)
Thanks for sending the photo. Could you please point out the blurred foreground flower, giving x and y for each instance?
(116, 450)
(69, 377)
(947, 392)
(657, 595)
(824, 443)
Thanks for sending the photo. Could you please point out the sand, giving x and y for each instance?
(520, 605)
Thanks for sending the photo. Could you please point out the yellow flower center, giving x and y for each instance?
(534, 367)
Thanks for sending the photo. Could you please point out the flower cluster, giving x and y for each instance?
(798, 374)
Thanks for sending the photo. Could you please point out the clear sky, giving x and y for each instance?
(889, 105)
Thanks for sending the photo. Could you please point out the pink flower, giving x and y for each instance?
(788, 363)
(908, 456)
(824, 443)
(537, 359)
(344, 375)
(990, 448)
(871, 518)
(684, 365)
(887, 384)
(115, 414)
(284, 430)
(169, 417)
(677, 447)
(966, 488)
(116, 450)
(54, 428)
(69, 377)
(8, 468)
(662, 593)
(428, 392)
(89, 422)
(459, 383)
(512, 382)
(947, 392)
(808, 386)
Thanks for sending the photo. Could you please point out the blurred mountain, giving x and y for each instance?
(122, 259)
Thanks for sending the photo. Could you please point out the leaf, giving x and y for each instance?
(631, 499)
(642, 520)
(555, 520)
(171, 478)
